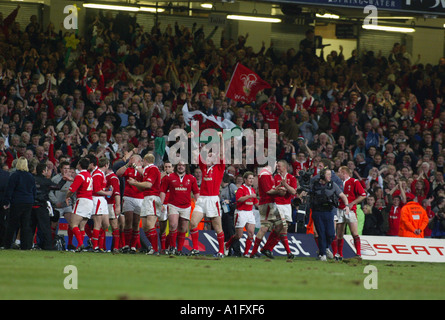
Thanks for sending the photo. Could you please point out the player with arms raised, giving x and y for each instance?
(208, 203)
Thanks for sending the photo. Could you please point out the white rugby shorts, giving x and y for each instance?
(151, 206)
(83, 207)
(285, 211)
(244, 217)
(100, 206)
(346, 218)
(184, 213)
(130, 204)
(209, 206)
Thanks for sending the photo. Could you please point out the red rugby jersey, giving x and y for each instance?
(132, 191)
(211, 178)
(353, 189)
(167, 194)
(83, 185)
(265, 184)
(152, 175)
(180, 189)
(99, 182)
(113, 181)
(242, 192)
(291, 181)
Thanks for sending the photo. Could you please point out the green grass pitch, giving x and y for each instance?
(40, 275)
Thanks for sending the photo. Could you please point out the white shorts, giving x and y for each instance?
(268, 212)
(112, 211)
(285, 211)
(184, 213)
(83, 207)
(244, 217)
(100, 206)
(209, 206)
(344, 218)
(132, 205)
(151, 206)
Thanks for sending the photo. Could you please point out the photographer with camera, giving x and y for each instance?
(227, 195)
(437, 223)
(324, 195)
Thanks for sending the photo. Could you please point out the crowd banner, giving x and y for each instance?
(400, 249)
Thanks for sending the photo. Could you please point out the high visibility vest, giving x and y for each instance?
(412, 217)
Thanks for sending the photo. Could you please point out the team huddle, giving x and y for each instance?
(151, 197)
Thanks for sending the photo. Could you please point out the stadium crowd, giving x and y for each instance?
(119, 91)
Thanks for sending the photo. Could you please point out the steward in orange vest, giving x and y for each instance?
(413, 220)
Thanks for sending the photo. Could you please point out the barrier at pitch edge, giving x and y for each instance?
(301, 245)
(400, 249)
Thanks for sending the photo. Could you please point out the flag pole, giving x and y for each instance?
(230, 82)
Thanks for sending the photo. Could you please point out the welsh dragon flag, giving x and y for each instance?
(208, 122)
(245, 84)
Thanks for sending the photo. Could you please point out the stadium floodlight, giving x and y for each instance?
(327, 16)
(151, 9)
(110, 7)
(206, 5)
(253, 18)
(388, 28)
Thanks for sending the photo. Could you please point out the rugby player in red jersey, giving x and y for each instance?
(288, 184)
(100, 205)
(152, 205)
(355, 193)
(82, 186)
(269, 215)
(244, 217)
(114, 208)
(179, 185)
(163, 217)
(132, 203)
(208, 203)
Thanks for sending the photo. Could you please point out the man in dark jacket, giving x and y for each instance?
(42, 208)
(4, 177)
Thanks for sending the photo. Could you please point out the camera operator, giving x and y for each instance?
(437, 223)
(324, 196)
(326, 163)
(227, 195)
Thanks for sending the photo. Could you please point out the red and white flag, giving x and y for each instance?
(245, 84)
